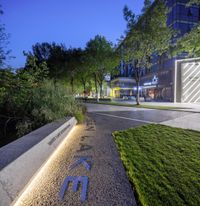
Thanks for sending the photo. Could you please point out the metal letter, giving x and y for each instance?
(76, 180)
(84, 147)
(82, 160)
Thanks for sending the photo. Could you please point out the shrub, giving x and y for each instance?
(27, 103)
(50, 102)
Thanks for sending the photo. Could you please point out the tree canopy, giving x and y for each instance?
(189, 43)
(194, 2)
(3, 42)
(149, 35)
(103, 59)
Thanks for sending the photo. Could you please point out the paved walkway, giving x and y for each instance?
(191, 121)
(108, 184)
(185, 106)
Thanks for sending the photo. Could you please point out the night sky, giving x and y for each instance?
(72, 22)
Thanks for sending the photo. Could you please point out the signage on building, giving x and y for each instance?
(107, 77)
(153, 82)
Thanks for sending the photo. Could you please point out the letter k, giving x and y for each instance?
(81, 160)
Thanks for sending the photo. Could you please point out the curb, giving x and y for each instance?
(18, 173)
(177, 110)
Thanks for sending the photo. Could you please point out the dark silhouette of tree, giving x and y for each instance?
(3, 42)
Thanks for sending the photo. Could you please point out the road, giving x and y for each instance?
(107, 181)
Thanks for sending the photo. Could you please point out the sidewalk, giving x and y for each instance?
(189, 107)
(88, 153)
(191, 121)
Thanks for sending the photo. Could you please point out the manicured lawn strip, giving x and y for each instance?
(162, 163)
(141, 106)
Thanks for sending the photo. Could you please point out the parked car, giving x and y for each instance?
(125, 97)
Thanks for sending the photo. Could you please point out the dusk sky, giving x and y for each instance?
(72, 22)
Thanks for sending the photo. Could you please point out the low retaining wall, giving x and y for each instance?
(21, 159)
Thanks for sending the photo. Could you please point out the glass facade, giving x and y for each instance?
(182, 18)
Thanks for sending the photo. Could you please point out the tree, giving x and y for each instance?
(37, 70)
(55, 57)
(194, 2)
(189, 43)
(147, 5)
(103, 60)
(84, 75)
(73, 64)
(129, 17)
(63, 63)
(149, 36)
(3, 42)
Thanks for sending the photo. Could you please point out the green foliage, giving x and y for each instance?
(29, 100)
(55, 56)
(194, 2)
(129, 17)
(102, 59)
(147, 5)
(49, 102)
(70, 66)
(84, 74)
(148, 36)
(3, 42)
(189, 43)
(74, 64)
(162, 163)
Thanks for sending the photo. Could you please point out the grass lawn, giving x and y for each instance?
(162, 163)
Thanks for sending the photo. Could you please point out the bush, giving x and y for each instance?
(50, 102)
(28, 102)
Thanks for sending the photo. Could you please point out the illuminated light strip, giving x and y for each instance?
(192, 68)
(33, 181)
(189, 70)
(195, 70)
(191, 73)
(194, 96)
(195, 82)
(190, 96)
(197, 100)
(185, 67)
(175, 80)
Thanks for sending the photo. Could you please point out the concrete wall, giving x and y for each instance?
(20, 160)
(187, 81)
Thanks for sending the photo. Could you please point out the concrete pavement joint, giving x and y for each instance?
(177, 118)
(137, 120)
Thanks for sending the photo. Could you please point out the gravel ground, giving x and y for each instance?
(108, 184)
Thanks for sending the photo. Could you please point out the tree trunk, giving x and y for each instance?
(96, 87)
(84, 87)
(138, 92)
(101, 90)
(137, 79)
(72, 84)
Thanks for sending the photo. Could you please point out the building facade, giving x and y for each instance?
(187, 81)
(157, 83)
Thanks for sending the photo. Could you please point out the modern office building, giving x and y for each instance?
(186, 81)
(158, 82)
